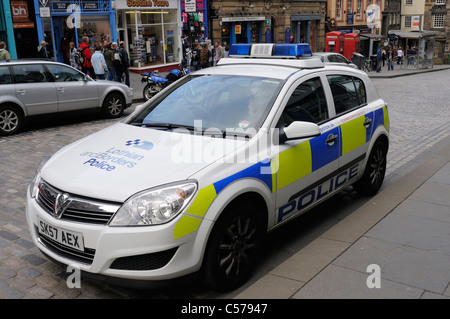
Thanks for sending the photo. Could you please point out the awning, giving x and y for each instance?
(370, 36)
(413, 34)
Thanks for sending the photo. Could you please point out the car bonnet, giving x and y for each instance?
(122, 160)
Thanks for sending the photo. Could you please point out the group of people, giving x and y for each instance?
(107, 62)
(202, 57)
(389, 55)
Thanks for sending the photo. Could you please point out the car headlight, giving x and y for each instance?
(34, 186)
(155, 206)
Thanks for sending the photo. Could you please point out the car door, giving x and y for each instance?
(74, 92)
(34, 89)
(355, 119)
(305, 168)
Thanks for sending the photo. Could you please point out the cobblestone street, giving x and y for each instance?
(419, 113)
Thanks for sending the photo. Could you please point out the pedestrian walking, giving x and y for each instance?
(99, 63)
(379, 59)
(109, 58)
(72, 55)
(4, 54)
(124, 66)
(42, 50)
(85, 51)
(205, 56)
(399, 56)
(195, 57)
(218, 52)
(383, 52)
(390, 59)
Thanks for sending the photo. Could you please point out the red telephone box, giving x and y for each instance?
(351, 44)
(334, 42)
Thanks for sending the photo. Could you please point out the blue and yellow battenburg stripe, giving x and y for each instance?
(288, 166)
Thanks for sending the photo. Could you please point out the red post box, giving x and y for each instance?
(334, 42)
(351, 44)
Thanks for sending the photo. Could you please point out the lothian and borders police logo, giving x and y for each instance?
(140, 144)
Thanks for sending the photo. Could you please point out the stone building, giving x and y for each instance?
(267, 21)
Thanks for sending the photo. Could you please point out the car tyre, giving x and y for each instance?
(375, 170)
(11, 120)
(233, 247)
(113, 105)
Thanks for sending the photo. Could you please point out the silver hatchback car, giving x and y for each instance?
(34, 87)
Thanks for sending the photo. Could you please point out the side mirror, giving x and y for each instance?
(298, 130)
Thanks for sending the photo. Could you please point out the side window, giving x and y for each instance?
(307, 103)
(29, 73)
(346, 93)
(63, 73)
(5, 76)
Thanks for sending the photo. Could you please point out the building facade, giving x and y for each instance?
(437, 18)
(263, 21)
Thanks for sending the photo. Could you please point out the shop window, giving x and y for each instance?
(226, 34)
(255, 28)
(96, 27)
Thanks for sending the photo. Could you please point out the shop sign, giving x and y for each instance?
(23, 25)
(190, 6)
(237, 29)
(60, 5)
(90, 5)
(44, 8)
(146, 4)
(19, 11)
(239, 19)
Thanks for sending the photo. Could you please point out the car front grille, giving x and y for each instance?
(86, 256)
(74, 208)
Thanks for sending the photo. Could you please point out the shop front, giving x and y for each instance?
(418, 47)
(61, 22)
(151, 31)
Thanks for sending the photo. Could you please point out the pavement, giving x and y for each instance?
(395, 246)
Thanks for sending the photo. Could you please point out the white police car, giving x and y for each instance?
(193, 179)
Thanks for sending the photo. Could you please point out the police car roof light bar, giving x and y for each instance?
(270, 50)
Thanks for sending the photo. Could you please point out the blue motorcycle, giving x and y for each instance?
(156, 83)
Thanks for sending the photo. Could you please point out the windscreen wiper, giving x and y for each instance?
(168, 126)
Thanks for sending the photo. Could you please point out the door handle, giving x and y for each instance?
(21, 92)
(331, 139)
(60, 89)
(367, 122)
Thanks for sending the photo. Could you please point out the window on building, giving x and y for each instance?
(359, 9)
(408, 2)
(439, 2)
(438, 20)
(338, 9)
(349, 6)
(407, 23)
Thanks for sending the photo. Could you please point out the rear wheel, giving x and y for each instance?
(150, 90)
(114, 105)
(233, 247)
(11, 120)
(375, 170)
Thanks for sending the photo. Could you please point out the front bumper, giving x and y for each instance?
(147, 253)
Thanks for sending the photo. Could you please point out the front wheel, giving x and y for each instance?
(11, 120)
(114, 105)
(233, 247)
(375, 170)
